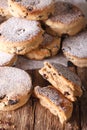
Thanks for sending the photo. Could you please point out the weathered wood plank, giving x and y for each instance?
(21, 119)
(33, 116)
(82, 72)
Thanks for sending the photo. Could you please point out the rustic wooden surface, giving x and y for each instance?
(33, 116)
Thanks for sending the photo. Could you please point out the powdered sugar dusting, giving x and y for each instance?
(71, 76)
(36, 4)
(3, 4)
(76, 45)
(65, 12)
(5, 58)
(15, 81)
(53, 95)
(18, 29)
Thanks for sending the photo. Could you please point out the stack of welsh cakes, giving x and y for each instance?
(38, 30)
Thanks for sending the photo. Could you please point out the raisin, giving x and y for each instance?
(70, 64)
(50, 15)
(40, 16)
(62, 104)
(1, 97)
(66, 93)
(12, 102)
(59, 74)
(30, 8)
(25, 16)
(63, 49)
(20, 31)
(54, 73)
(45, 76)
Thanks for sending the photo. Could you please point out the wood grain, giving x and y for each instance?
(32, 116)
(82, 72)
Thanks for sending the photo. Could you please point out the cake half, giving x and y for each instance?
(54, 101)
(64, 80)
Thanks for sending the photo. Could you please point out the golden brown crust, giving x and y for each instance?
(23, 47)
(61, 29)
(75, 49)
(15, 88)
(67, 82)
(55, 102)
(13, 103)
(21, 40)
(48, 48)
(66, 22)
(32, 13)
(80, 62)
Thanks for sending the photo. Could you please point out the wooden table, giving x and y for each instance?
(33, 116)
